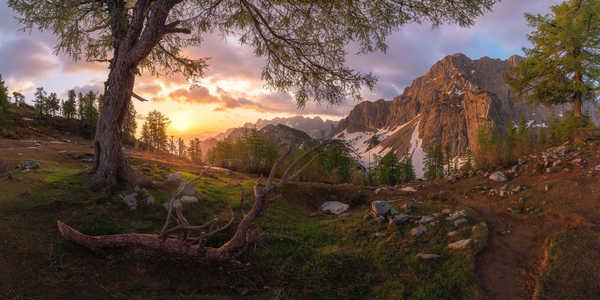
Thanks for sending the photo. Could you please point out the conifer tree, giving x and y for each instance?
(564, 64)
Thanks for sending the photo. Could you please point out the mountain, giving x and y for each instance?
(282, 135)
(447, 106)
(315, 127)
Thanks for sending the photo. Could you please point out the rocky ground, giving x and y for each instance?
(525, 230)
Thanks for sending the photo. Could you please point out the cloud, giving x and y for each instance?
(24, 59)
(96, 87)
(195, 94)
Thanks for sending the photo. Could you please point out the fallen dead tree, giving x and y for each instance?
(181, 239)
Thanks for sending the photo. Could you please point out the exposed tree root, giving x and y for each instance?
(180, 239)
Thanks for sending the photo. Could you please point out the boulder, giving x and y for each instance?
(334, 207)
(498, 177)
(408, 189)
(399, 219)
(176, 204)
(460, 244)
(380, 208)
(189, 190)
(460, 222)
(380, 219)
(426, 219)
(189, 199)
(427, 256)
(30, 164)
(174, 178)
(456, 215)
(367, 217)
(393, 212)
(417, 231)
(130, 200)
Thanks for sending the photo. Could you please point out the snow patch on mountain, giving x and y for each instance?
(417, 153)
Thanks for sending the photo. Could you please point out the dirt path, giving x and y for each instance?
(508, 266)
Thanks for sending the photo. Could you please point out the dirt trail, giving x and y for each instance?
(508, 266)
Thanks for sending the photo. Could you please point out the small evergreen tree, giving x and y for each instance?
(3, 98)
(434, 162)
(40, 103)
(68, 106)
(19, 99)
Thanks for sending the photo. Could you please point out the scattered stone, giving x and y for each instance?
(576, 161)
(176, 204)
(514, 169)
(378, 190)
(460, 244)
(174, 178)
(380, 208)
(503, 193)
(380, 235)
(459, 222)
(597, 168)
(451, 179)
(189, 199)
(518, 188)
(367, 217)
(426, 219)
(446, 211)
(547, 187)
(407, 206)
(456, 215)
(408, 189)
(522, 161)
(35, 145)
(452, 233)
(130, 200)
(399, 219)
(393, 212)
(30, 164)
(427, 256)
(380, 219)
(417, 231)
(334, 207)
(150, 199)
(189, 190)
(556, 163)
(87, 160)
(478, 227)
(498, 177)
(436, 215)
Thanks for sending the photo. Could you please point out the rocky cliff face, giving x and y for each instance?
(447, 106)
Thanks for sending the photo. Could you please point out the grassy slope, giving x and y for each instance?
(571, 268)
(300, 255)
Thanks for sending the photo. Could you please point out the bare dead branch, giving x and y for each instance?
(136, 96)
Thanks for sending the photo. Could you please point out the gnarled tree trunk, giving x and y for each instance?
(110, 165)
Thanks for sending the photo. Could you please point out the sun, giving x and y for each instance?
(180, 124)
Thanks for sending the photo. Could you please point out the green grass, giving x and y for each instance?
(299, 255)
(572, 265)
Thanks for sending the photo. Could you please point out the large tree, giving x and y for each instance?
(564, 64)
(303, 43)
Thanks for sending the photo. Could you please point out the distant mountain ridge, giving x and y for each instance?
(315, 127)
(448, 105)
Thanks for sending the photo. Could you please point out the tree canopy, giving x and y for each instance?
(564, 63)
(303, 42)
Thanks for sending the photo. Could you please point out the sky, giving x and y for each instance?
(232, 92)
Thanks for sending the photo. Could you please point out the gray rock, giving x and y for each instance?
(436, 215)
(407, 206)
(460, 222)
(380, 219)
(380, 208)
(150, 199)
(399, 219)
(367, 217)
(452, 233)
(503, 193)
(130, 200)
(426, 219)
(446, 211)
(393, 212)
(334, 207)
(427, 256)
(514, 169)
(408, 189)
(30, 164)
(380, 235)
(189, 199)
(460, 244)
(417, 231)
(189, 190)
(522, 161)
(176, 204)
(518, 188)
(174, 178)
(498, 177)
(456, 215)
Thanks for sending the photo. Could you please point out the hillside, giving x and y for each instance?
(527, 235)
(448, 105)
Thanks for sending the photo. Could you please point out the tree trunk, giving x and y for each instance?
(110, 165)
(577, 98)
